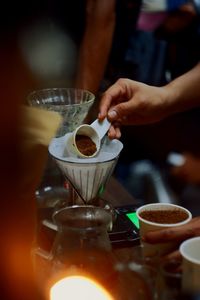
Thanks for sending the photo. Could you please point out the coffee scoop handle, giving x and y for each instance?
(101, 127)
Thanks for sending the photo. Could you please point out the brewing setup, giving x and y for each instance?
(80, 247)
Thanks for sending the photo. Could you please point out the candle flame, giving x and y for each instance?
(78, 288)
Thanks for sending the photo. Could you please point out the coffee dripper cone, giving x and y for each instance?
(87, 176)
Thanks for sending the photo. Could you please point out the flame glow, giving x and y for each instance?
(78, 288)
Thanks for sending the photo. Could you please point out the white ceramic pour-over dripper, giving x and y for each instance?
(87, 176)
(95, 131)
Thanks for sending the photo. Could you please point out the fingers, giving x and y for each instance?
(104, 105)
(112, 114)
(114, 93)
(114, 132)
(177, 233)
(110, 95)
(162, 236)
(175, 255)
(122, 112)
(118, 103)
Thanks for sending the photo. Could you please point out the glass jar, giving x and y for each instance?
(81, 247)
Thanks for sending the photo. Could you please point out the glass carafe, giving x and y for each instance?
(81, 247)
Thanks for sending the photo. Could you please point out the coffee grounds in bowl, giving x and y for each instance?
(164, 216)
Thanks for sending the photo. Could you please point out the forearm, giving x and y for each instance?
(96, 44)
(183, 93)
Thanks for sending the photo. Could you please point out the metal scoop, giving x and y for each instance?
(95, 132)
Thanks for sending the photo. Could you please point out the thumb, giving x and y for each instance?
(120, 111)
(113, 114)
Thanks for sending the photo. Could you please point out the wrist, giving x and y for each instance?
(172, 98)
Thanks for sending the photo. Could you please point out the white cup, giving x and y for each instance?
(145, 226)
(190, 251)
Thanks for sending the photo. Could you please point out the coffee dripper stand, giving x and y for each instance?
(81, 243)
(81, 229)
(96, 257)
(87, 177)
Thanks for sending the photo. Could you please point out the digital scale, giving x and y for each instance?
(125, 231)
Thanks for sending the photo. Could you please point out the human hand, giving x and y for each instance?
(189, 171)
(129, 102)
(174, 234)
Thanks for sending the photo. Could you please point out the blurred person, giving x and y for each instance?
(68, 43)
(24, 137)
(127, 12)
(159, 24)
(26, 132)
(188, 171)
(184, 178)
(181, 31)
(151, 57)
(96, 44)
